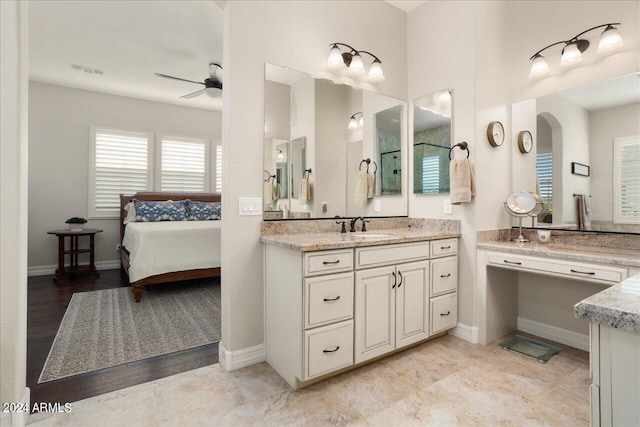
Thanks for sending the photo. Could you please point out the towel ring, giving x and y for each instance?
(266, 176)
(307, 171)
(376, 169)
(463, 146)
(367, 161)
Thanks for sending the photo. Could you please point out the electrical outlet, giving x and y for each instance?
(377, 206)
(448, 208)
(324, 207)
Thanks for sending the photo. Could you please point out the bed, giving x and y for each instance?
(168, 251)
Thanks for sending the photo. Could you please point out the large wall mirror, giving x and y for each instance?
(587, 147)
(331, 149)
(432, 124)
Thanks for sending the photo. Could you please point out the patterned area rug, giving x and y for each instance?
(106, 328)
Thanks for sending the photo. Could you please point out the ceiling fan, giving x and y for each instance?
(213, 84)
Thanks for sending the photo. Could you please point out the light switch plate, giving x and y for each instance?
(250, 206)
(448, 208)
(377, 206)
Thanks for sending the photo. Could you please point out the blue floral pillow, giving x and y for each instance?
(203, 211)
(160, 211)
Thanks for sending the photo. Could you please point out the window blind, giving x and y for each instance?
(544, 171)
(626, 180)
(121, 165)
(218, 168)
(430, 175)
(183, 165)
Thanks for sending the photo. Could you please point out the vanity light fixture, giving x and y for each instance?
(355, 122)
(353, 61)
(575, 47)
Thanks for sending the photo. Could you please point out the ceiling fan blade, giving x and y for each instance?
(193, 94)
(178, 78)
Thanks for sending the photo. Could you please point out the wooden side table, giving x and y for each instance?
(73, 268)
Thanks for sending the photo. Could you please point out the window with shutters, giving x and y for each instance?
(544, 171)
(120, 164)
(431, 175)
(626, 180)
(218, 168)
(183, 164)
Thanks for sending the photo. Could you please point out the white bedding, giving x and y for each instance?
(166, 246)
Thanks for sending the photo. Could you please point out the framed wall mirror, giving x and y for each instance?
(432, 136)
(333, 134)
(597, 126)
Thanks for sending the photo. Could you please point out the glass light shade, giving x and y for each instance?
(335, 58)
(361, 121)
(571, 55)
(375, 72)
(353, 124)
(610, 40)
(444, 97)
(356, 68)
(539, 67)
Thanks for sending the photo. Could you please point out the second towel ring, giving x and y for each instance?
(306, 171)
(368, 162)
(463, 146)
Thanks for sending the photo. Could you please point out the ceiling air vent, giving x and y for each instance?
(88, 70)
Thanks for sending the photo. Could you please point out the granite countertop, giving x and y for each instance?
(614, 256)
(323, 241)
(614, 307)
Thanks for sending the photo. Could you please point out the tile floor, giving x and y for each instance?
(444, 382)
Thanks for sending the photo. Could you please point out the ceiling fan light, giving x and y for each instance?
(335, 58)
(375, 72)
(610, 40)
(356, 68)
(570, 55)
(539, 67)
(213, 92)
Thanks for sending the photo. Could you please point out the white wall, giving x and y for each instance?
(296, 34)
(604, 126)
(59, 121)
(13, 205)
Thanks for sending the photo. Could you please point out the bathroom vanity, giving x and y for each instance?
(333, 301)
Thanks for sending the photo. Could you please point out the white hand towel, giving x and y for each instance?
(362, 187)
(371, 185)
(463, 182)
(277, 191)
(304, 192)
(268, 193)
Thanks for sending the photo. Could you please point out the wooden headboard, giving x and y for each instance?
(160, 197)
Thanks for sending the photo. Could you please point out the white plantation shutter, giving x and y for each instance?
(120, 165)
(626, 180)
(218, 168)
(431, 175)
(183, 164)
(544, 170)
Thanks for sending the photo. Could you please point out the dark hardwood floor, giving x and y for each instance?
(47, 303)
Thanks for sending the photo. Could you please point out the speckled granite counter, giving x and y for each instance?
(604, 255)
(323, 241)
(612, 307)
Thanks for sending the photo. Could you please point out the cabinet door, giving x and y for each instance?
(412, 303)
(375, 313)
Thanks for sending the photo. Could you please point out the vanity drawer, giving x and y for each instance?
(444, 275)
(559, 268)
(328, 262)
(328, 299)
(391, 254)
(440, 248)
(328, 348)
(444, 312)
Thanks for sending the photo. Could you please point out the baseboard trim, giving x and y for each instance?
(465, 332)
(563, 336)
(45, 270)
(17, 419)
(231, 360)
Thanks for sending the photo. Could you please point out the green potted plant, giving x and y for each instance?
(76, 223)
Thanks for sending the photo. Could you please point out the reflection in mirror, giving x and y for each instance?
(432, 117)
(597, 126)
(281, 156)
(314, 117)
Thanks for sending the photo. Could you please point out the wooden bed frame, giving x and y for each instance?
(175, 276)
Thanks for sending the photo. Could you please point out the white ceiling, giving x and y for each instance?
(406, 5)
(606, 94)
(129, 41)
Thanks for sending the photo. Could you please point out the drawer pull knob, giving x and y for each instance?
(395, 280)
(512, 262)
(400, 274)
(331, 299)
(583, 272)
(331, 262)
(445, 247)
(332, 351)
(444, 276)
(445, 314)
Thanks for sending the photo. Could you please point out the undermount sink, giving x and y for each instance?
(372, 235)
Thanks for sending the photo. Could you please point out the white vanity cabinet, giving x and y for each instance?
(328, 310)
